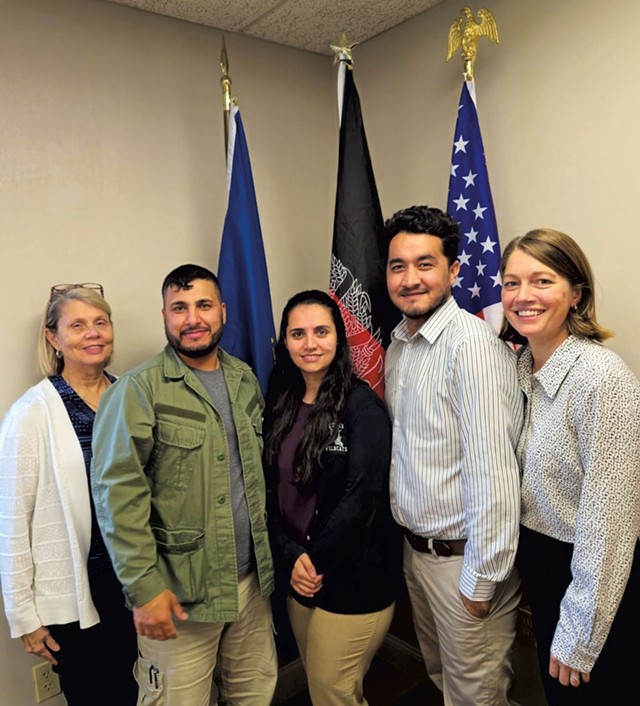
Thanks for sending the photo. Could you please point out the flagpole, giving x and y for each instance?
(225, 83)
(249, 333)
(358, 252)
(477, 286)
(343, 53)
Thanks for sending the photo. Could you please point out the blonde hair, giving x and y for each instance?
(562, 254)
(49, 362)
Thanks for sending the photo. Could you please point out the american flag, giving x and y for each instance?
(478, 286)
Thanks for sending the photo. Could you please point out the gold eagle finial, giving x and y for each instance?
(464, 32)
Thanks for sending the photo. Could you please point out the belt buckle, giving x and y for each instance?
(439, 547)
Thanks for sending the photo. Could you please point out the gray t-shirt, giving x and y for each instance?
(214, 383)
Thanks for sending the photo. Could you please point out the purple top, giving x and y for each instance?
(297, 509)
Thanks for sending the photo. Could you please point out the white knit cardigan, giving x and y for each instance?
(45, 516)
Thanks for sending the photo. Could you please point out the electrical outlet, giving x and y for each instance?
(45, 681)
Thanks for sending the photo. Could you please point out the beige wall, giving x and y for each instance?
(112, 160)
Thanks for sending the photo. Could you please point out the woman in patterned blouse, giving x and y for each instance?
(60, 592)
(580, 459)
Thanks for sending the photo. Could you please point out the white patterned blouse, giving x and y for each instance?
(580, 457)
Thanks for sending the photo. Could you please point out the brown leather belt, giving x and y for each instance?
(439, 547)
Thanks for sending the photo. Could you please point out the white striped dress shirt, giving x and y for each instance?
(457, 411)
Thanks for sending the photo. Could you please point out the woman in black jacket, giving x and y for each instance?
(328, 446)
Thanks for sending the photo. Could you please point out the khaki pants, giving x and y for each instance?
(337, 650)
(180, 672)
(468, 659)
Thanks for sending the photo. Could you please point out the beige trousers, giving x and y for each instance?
(468, 659)
(336, 650)
(180, 672)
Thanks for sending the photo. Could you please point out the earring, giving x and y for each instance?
(58, 354)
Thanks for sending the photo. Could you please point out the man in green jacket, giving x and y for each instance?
(179, 492)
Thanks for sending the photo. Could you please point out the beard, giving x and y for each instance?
(201, 350)
(425, 312)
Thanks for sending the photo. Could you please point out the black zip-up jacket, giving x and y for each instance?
(353, 539)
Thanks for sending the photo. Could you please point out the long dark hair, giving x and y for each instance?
(287, 388)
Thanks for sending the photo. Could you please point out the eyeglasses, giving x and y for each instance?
(59, 289)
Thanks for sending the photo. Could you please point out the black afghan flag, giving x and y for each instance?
(358, 259)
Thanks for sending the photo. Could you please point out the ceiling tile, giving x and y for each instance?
(231, 15)
(311, 25)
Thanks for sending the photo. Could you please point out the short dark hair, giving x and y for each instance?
(182, 277)
(430, 221)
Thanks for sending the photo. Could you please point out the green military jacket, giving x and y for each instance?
(161, 484)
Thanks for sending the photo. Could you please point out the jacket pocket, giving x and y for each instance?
(176, 450)
(182, 560)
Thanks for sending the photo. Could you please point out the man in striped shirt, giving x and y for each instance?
(453, 395)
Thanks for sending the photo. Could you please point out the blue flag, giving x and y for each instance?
(242, 268)
(478, 286)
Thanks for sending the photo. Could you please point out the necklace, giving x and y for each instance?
(91, 405)
(90, 395)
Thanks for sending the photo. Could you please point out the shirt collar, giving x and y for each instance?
(557, 367)
(432, 327)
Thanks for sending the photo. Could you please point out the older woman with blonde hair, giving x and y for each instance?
(60, 593)
(579, 452)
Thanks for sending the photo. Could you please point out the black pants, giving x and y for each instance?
(95, 665)
(545, 566)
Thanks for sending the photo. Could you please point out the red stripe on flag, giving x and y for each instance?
(367, 353)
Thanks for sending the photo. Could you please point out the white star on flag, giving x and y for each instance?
(488, 245)
(479, 210)
(464, 258)
(475, 290)
(469, 179)
(460, 145)
(461, 202)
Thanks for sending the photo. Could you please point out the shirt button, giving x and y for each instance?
(220, 457)
(221, 500)
(308, 537)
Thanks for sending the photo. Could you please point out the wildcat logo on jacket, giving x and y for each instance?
(338, 443)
